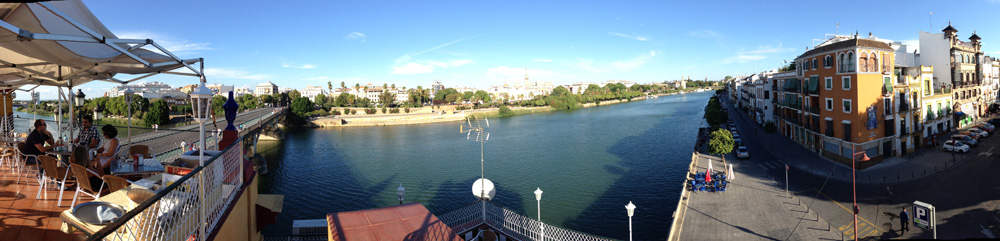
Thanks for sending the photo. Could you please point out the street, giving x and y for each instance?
(964, 194)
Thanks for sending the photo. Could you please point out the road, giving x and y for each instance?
(966, 195)
(166, 142)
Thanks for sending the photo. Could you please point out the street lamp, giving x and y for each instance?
(200, 98)
(854, 183)
(79, 104)
(538, 197)
(400, 192)
(128, 98)
(631, 210)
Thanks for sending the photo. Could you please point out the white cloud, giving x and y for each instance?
(171, 43)
(640, 38)
(226, 73)
(760, 53)
(912, 44)
(632, 64)
(357, 35)
(405, 64)
(293, 65)
(542, 60)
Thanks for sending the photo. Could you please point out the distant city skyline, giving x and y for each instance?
(482, 44)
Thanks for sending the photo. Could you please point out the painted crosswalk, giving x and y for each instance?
(865, 230)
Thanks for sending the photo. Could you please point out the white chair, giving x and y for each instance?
(23, 161)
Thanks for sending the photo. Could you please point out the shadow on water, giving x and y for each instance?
(289, 165)
(648, 176)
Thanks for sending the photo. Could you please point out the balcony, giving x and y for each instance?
(931, 116)
(814, 109)
(904, 107)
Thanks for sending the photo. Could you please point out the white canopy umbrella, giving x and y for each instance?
(62, 44)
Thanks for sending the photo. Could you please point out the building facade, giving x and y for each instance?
(266, 88)
(959, 63)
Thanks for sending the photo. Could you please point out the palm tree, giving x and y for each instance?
(329, 86)
(342, 86)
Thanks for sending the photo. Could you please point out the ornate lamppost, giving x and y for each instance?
(631, 210)
(538, 197)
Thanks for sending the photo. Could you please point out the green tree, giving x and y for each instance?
(442, 94)
(343, 100)
(386, 98)
(453, 97)
(482, 95)
(505, 111)
(267, 99)
(467, 95)
(217, 102)
(720, 142)
(320, 99)
(294, 94)
(770, 127)
(159, 113)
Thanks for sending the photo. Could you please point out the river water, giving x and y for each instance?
(589, 163)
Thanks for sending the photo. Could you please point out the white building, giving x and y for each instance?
(220, 89)
(266, 88)
(139, 89)
(311, 92)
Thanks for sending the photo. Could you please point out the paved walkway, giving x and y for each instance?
(924, 162)
(753, 207)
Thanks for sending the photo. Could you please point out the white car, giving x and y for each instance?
(979, 132)
(956, 146)
(742, 152)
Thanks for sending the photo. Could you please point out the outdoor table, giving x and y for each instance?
(65, 152)
(71, 223)
(146, 166)
(10, 140)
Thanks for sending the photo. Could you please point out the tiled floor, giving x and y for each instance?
(22, 217)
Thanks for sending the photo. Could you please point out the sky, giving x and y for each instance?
(485, 43)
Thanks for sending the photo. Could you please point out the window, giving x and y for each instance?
(872, 62)
(845, 82)
(850, 62)
(842, 65)
(887, 102)
(814, 64)
(864, 62)
(767, 93)
(847, 105)
(829, 104)
(829, 82)
(927, 87)
(828, 62)
(885, 63)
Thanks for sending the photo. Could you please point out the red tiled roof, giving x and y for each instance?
(404, 222)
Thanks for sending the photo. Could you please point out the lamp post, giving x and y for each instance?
(538, 197)
(128, 98)
(631, 210)
(400, 192)
(854, 183)
(80, 98)
(200, 98)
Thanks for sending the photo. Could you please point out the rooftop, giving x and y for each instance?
(403, 222)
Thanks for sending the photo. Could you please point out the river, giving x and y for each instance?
(588, 162)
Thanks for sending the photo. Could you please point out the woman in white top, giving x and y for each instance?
(106, 154)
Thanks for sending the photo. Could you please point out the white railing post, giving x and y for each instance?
(201, 206)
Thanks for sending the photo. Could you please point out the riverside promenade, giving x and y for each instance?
(754, 207)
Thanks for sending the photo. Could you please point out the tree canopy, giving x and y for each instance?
(720, 142)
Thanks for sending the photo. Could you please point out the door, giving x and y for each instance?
(902, 148)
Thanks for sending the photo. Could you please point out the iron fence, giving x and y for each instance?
(508, 222)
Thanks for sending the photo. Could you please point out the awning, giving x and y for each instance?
(61, 43)
(887, 85)
(959, 114)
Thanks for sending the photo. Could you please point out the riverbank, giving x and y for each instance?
(448, 113)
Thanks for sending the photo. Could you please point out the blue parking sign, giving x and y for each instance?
(923, 215)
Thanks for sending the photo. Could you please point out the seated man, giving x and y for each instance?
(35, 144)
(88, 133)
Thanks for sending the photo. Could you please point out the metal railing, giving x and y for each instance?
(190, 208)
(509, 223)
(294, 238)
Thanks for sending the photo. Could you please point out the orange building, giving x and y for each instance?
(837, 97)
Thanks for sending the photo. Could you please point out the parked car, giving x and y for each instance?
(986, 128)
(974, 135)
(956, 146)
(979, 132)
(965, 139)
(994, 122)
(992, 126)
(742, 152)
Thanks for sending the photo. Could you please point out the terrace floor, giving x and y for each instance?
(23, 217)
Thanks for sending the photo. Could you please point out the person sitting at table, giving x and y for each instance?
(35, 144)
(88, 133)
(106, 154)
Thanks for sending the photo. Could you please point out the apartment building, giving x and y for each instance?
(959, 63)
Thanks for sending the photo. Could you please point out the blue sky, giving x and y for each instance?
(480, 44)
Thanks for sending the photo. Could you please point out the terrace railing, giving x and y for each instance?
(507, 222)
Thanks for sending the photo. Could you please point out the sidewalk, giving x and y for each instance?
(922, 163)
(752, 208)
